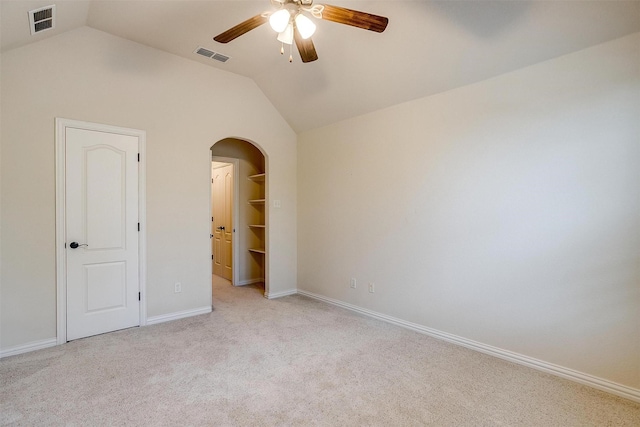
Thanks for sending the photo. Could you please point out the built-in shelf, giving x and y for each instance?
(256, 219)
(257, 177)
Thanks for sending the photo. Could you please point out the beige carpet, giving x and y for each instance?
(291, 361)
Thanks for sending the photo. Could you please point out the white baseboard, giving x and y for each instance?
(249, 282)
(39, 345)
(32, 346)
(272, 295)
(580, 377)
(178, 315)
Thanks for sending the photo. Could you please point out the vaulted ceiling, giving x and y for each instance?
(428, 47)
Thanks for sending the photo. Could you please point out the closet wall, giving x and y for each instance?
(252, 161)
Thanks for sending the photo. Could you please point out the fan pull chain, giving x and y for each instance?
(282, 49)
(291, 52)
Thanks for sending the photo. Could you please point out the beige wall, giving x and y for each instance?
(184, 107)
(505, 212)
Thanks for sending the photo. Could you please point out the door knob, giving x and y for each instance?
(221, 227)
(74, 245)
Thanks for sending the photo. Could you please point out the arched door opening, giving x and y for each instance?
(239, 214)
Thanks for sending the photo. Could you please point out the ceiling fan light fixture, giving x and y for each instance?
(290, 17)
(305, 26)
(279, 20)
(286, 36)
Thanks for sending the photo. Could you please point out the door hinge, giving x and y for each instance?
(138, 226)
(211, 219)
(211, 256)
(139, 297)
(138, 156)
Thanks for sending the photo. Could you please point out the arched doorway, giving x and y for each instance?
(247, 218)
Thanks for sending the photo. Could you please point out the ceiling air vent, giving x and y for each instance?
(205, 52)
(211, 54)
(220, 57)
(42, 19)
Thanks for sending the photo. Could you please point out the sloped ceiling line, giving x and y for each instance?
(428, 47)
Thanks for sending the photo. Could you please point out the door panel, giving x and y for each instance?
(102, 215)
(105, 170)
(228, 223)
(105, 286)
(222, 196)
(218, 222)
(105, 208)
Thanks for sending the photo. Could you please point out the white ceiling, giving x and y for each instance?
(428, 47)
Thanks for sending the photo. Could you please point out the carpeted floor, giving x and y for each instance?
(290, 361)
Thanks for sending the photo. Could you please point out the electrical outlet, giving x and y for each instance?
(177, 287)
(353, 283)
(372, 287)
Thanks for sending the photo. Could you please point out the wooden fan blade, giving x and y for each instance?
(305, 47)
(240, 29)
(354, 18)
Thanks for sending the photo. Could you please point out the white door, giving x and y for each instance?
(222, 225)
(101, 194)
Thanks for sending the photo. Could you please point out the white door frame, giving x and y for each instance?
(235, 268)
(61, 253)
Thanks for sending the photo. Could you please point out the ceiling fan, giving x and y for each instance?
(291, 24)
